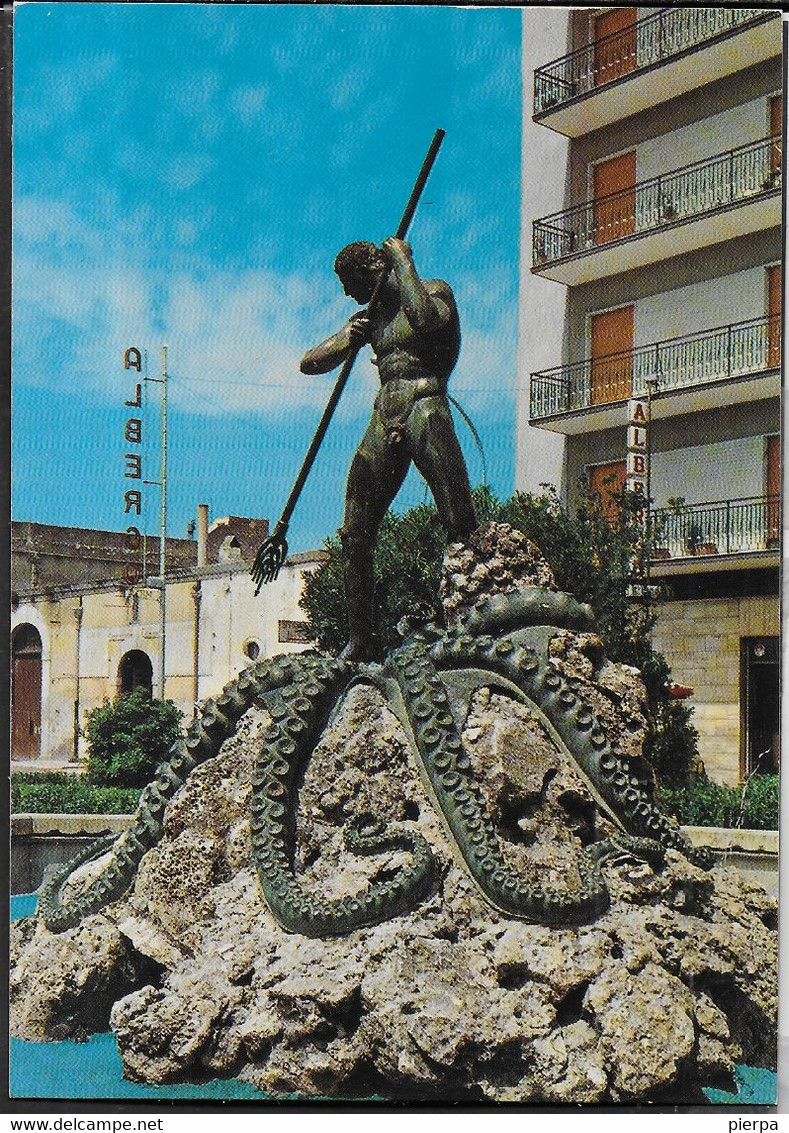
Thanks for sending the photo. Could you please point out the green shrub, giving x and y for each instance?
(50, 792)
(704, 803)
(128, 738)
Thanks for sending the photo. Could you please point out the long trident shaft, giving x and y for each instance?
(273, 551)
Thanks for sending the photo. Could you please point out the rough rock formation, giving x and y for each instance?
(659, 995)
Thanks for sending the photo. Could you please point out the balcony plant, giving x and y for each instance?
(689, 528)
(658, 547)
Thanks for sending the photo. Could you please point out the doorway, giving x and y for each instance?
(26, 693)
(615, 46)
(760, 705)
(135, 671)
(774, 308)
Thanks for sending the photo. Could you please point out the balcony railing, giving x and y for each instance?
(677, 363)
(682, 194)
(724, 527)
(656, 39)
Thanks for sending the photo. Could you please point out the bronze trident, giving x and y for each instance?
(273, 551)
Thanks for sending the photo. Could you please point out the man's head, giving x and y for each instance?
(358, 267)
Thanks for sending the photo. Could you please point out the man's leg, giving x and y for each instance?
(436, 453)
(377, 471)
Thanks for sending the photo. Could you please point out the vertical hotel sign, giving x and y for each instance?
(132, 463)
(637, 475)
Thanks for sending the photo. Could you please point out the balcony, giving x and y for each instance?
(702, 532)
(732, 194)
(685, 373)
(660, 57)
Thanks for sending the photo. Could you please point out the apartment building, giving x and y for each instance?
(651, 273)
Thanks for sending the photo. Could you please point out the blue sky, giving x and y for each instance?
(186, 174)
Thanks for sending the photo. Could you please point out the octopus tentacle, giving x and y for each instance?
(504, 638)
(297, 722)
(463, 805)
(621, 784)
(202, 741)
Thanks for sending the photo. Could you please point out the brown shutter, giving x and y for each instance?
(608, 480)
(776, 129)
(612, 355)
(774, 305)
(614, 187)
(615, 44)
(773, 487)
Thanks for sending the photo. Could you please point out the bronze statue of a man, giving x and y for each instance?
(414, 331)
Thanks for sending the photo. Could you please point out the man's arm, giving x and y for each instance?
(334, 350)
(426, 310)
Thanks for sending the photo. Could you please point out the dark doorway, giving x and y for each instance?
(135, 671)
(26, 693)
(760, 683)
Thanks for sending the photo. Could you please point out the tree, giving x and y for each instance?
(590, 552)
(129, 737)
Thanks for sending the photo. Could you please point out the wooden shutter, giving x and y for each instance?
(607, 481)
(614, 191)
(612, 355)
(776, 130)
(773, 488)
(614, 44)
(774, 308)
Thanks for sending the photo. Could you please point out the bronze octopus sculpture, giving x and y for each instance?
(428, 682)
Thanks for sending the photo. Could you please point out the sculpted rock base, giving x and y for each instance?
(669, 988)
(662, 993)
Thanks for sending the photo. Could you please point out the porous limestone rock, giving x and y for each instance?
(669, 988)
(496, 559)
(661, 994)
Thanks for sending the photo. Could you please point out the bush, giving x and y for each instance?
(128, 738)
(753, 806)
(50, 792)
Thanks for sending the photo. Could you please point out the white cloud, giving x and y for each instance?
(185, 170)
(248, 102)
(235, 338)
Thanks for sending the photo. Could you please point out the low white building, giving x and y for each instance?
(77, 644)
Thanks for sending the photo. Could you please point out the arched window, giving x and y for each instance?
(135, 671)
(25, 692)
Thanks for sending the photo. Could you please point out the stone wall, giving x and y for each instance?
(701, 640)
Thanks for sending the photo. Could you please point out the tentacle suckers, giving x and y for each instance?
(504, 641)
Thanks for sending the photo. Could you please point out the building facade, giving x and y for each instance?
(652, 248)
(82, 634)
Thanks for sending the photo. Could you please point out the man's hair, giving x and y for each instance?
(361, 255)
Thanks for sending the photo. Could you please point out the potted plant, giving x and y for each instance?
(690, 529)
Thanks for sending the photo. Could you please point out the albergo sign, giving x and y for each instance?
(637, 468)
(132, 435)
